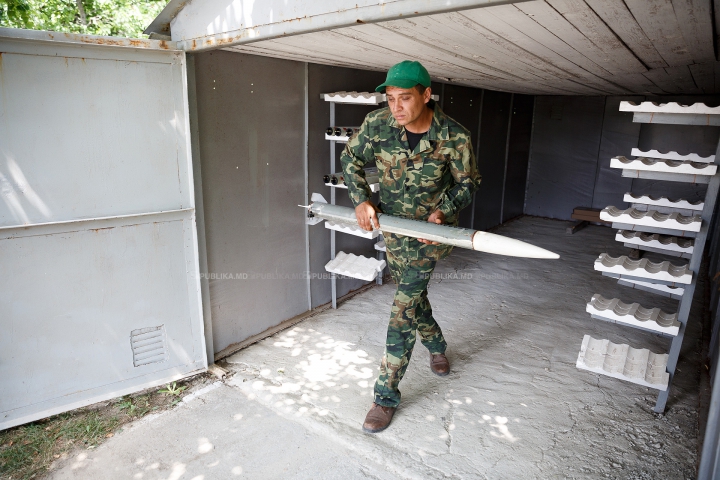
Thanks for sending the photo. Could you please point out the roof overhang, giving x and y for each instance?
(208, 24)
(564, 47)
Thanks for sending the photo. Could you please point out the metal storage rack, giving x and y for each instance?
(367, 264)
(676, 228)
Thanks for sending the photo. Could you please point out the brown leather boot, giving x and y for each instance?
(439, 364)
(378, 418)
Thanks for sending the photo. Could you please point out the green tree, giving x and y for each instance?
(121, 18)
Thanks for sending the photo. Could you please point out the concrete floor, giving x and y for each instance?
(514, 406)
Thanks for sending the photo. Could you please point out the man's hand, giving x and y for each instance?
(435, 217)
(366, 215)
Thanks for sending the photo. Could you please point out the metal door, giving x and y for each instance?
(99, 283)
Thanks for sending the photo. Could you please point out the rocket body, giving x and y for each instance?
(446, 234)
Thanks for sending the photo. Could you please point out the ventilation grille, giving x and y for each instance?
(148, 345)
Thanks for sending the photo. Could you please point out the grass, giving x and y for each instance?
(27, 451)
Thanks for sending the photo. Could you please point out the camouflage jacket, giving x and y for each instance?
(440, 173)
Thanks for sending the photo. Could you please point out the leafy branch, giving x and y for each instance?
(123, 18)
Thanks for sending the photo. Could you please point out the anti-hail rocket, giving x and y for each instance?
(320, 210)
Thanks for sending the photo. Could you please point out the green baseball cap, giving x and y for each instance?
(406, 74)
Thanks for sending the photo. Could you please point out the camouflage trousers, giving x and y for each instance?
(410, 313)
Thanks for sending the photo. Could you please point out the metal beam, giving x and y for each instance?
(282, 19)
(677, 118)
(665, 176)
(333, 279)
(686, 302)
(507, 151)
(75, 38)
(709, 459)
(306, 170)
(644, 228)
(74, 225)
(199, 208)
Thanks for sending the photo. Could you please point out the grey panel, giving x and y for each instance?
(518, 156)
(93, 131)
(199, 208)
(250, 117)
(619, 136)
(102, 172)
(564, 154)
(463, 105)
(491, 158)
(69, 301)
(324, 79)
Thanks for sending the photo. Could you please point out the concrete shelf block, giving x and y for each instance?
(663, 231)
(362, 98)
(663, 166)
(636, 365)
(374, 187)
(680, 204)
(691, 157)
(670, 107)
(341, 138)
(667, 177)
(633, 314)
(351, 229)
(355, 266)
(644, 268)
(656, 288)
(652, 218)
(657, 241)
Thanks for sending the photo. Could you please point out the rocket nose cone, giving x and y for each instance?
(499, 245)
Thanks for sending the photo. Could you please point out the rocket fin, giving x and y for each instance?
(317, 197)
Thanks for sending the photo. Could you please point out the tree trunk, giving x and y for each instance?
(81, 9)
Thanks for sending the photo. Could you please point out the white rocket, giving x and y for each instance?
(320, 210)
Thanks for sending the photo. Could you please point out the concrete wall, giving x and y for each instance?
(574, 139)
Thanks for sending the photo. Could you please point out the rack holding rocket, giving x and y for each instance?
(320, 210)
(371, 176)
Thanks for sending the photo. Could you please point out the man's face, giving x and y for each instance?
(406, 104)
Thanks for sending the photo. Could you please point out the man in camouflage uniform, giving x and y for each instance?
(427, 172)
